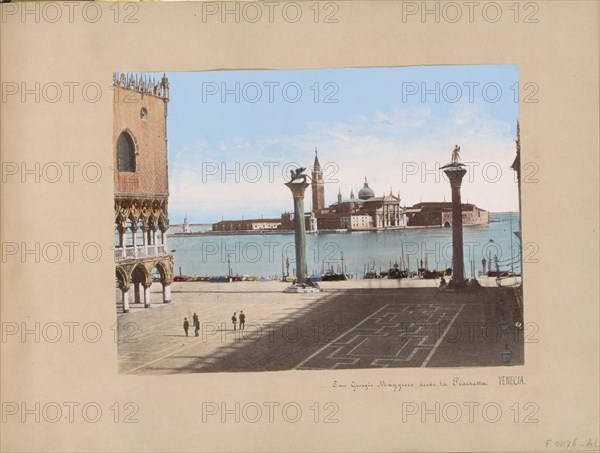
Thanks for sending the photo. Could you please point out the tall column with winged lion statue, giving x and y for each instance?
(298, 185)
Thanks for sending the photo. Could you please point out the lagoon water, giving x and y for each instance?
(261, 254)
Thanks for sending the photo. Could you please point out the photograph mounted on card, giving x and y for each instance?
(318, 219)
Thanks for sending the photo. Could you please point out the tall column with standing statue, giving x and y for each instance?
(455, 172)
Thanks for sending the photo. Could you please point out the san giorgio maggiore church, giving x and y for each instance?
(366, 211)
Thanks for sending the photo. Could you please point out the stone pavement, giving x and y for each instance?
(354, 324)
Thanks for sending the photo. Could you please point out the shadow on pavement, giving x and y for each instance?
(362, 328)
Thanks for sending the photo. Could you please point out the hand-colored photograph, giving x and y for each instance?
(318, 219)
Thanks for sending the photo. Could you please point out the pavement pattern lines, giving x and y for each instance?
(394, 335)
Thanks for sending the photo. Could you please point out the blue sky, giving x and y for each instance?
(228, 153)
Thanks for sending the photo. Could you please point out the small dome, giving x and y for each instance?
(366, 192)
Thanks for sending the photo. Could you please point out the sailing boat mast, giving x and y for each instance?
(403, 263)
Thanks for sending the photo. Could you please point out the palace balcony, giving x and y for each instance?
(139, 251)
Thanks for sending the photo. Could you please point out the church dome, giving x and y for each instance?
(366, 192)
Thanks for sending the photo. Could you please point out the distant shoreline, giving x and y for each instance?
(336, 231)
(339, 231)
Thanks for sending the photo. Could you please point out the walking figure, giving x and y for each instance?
(242, 320)
(186, 326)
(196, 323)
(234, 320)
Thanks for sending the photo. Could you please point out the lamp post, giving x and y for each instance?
(501, 305)
(342, 254)
(506, 355)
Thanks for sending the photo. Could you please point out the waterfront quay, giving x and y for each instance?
(349, 325)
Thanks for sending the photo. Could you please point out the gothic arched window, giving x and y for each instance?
(126, 152)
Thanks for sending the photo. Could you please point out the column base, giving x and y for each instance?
(460, 284)
(302, 288)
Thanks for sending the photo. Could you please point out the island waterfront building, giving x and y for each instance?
(247, 225)
(365, 212)
(440, 214)
(141, 188)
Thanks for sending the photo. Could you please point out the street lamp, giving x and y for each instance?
(506, 354)
(228, 266)
(502, 306)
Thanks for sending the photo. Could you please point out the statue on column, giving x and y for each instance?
(456, 154)
(297, 174)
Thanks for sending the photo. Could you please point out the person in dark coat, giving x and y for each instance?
(186, 326)
(234, 320)
(242, 320)
(196, 323)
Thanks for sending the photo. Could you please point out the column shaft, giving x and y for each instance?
(458, 264)
(147, 296)
(300, 237)
(455, 174)
(166, 293)
(125, 299)
(299, 229)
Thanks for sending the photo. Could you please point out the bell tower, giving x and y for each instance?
(317, 186)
